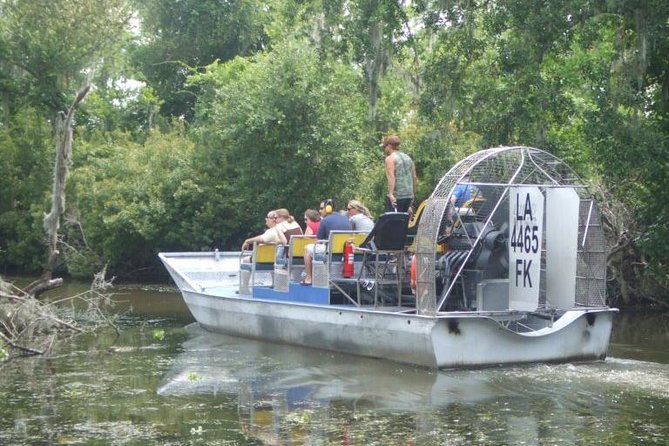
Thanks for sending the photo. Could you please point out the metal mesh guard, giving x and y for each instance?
(493, 171)
(281, 282)
(321, 276)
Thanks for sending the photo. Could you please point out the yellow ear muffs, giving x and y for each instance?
(328, 207)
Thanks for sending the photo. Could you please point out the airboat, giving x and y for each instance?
(516, 274)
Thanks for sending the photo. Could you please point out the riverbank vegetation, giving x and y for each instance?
(204, 114)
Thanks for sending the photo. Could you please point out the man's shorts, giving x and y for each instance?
(316, 250)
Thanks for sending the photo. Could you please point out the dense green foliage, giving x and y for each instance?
(128, 199)
(286, 126)
(243, 106)
(180, 37)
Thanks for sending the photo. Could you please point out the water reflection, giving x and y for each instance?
(290, 395)
(213, 363)
(161, 383)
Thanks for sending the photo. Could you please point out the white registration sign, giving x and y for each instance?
(526, 214)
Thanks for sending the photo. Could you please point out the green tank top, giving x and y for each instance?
(403, 176)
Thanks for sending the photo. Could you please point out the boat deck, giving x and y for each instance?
(233, 291)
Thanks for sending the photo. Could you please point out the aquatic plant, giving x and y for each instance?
(158, 334)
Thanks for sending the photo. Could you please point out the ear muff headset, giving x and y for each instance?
(328, 206)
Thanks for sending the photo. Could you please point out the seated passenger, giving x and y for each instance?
(312, 218)
(359, 216)
(273, 234)
(287, 224)
(333, 221)
(463, 192)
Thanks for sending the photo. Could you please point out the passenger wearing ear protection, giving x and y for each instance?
(321, 210)
(332, 221)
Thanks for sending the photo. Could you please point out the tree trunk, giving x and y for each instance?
(52, 219)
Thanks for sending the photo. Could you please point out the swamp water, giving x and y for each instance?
(164, 381)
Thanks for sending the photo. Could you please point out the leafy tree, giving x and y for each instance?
(580, 79)
(179, 38)
(373, 30)
(25, 173)
(45, 53)
(298, 116)
(282, 129)
(129, 200)
(124, 105)
(47, 49)
(369, 34)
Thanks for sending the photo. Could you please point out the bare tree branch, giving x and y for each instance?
(61, 171)
(11, 343)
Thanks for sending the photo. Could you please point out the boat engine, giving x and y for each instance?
(487, 259)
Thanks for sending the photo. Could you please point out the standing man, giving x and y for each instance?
(401, 176)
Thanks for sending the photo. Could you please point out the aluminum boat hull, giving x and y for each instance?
(447, 340)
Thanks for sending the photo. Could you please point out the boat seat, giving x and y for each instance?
(383, 254)
(260, 258)
(337, 241)
(414, 221)
(282, 251)
(289, 262)
(296, 248)
(328, 256)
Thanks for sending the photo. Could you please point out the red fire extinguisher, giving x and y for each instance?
(347, 261)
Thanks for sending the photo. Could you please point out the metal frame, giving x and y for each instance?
(253, 264)
(496, 170)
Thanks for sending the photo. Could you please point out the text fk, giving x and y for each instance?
(523, 270)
